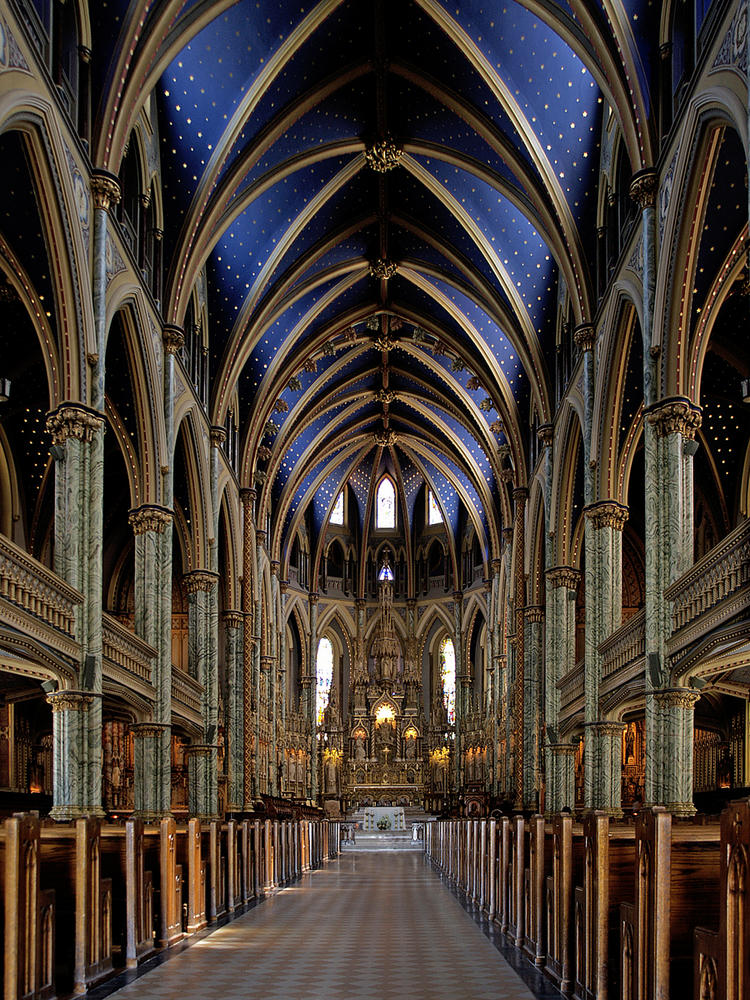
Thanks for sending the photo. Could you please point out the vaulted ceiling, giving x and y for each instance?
(389, 199)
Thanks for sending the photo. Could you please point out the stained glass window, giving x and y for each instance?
(448, 677)
(433, 511)
(337, 514)
(324, 668)
(385, 508)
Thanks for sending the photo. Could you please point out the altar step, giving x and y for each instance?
(388, 840)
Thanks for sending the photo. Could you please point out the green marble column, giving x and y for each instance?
(78, 439)
(308, 694)
(203, 779)
(249, 643)
(71, 759)
(496, 625)
(463, 684)
(148, 765)
(605, 521)
(675, 715)
(560, 640)
(510, 660)
(233, 702)
(151, 525)
(520, 496)
(273, 678)
(532, 718)
(669, 432)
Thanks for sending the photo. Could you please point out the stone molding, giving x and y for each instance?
(200, 580)
(563, 576)
(584, 336)
(607, 514)
(105, 189)
(150, 517)
(73, 420)
(675, 415)
(173, 338)
(643, 188)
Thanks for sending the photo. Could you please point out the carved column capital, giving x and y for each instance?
(248, 495)
(173, 338)
(150, 517)
(497, 565)
(520, 494)
(105, 189)
(73, 420)
(546, 433)
(218, 435)
(260, 536)
(563, 576)
(584, 336)
(149, 730)
(643, 188)
(234, 619)
(534, 613)
(200, 580)
(684, 698)
(675, 415)
(607, 514)
(266, 661)
(275, 567)
(313, 597)
(71, 701)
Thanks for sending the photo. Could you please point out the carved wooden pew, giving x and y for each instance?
(676, 874)
(70, 865)
(721, 961)
(608, 881)
(28, 914)
(567, 871)
(539, 864)
(123, 863)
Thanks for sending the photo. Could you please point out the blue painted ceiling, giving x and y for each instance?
(265, 114)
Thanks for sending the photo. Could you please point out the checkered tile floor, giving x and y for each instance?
(368, 926)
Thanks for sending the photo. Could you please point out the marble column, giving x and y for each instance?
(669, 436)
(308, 692)
(148, 768)
(605, 521)
(105, 194)
(674, 711)
(273, 678)
(202, 665)
(608, 742)
(233, 702)
(248, 497)
(463, 684)
(71, 755)
(496, 624)
(560, 641)
(283, 655)
(508, 672)
(532, 719)
(78, 440)
(520, 496)
(153, 578)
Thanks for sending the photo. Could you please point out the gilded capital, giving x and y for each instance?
(149, 730)
(383, 155)
(105, 189)
(70, 701)
(585, 336)
(563, 576)
(218, 435)
(200, 581)
(684, 698)
(260, 536)
(233, 619)
(643, 188)
(266, 661)
(546, 433)
(150, 517)
(248, 496)
(73, 421)
(520, 494)
(534, 613)
(173, 338)
(675, 415)
(607, 514)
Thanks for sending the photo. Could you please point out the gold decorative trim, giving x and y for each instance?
(584, 336)
(643, 188)
(71, 701)
(563, 576)
(105, 190)
(200, 581)
(383, 269)
(173, 339)
(385, 438)
(384, 155)
(234, 619)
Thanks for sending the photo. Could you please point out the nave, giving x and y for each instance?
(374, 925)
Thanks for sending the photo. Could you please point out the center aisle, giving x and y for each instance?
(368, 926)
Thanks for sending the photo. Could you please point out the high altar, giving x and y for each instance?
(376, 756)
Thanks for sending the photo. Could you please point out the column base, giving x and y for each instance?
(64, 814)
(681, 808)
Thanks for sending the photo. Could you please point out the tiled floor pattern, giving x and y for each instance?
(368, 926)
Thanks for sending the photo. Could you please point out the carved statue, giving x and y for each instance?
(359, 748)
(332, 775)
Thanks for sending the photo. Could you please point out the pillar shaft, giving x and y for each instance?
(560, 638)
